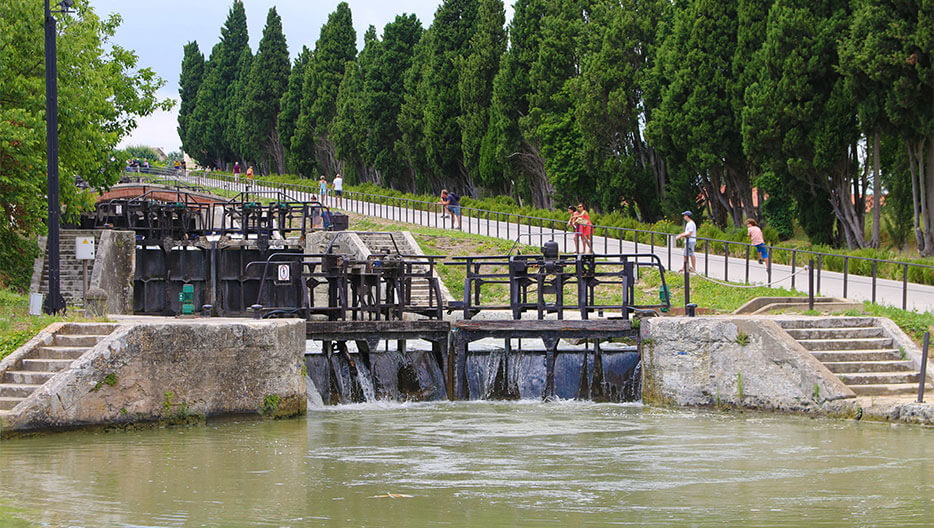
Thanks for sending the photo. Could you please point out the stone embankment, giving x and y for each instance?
(153, 369)
(860, 367)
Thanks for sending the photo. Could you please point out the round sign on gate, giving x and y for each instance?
(284, 273)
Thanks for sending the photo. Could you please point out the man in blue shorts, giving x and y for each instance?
(452, 203)
(690, 233)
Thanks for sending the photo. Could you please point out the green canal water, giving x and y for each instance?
(478, 464)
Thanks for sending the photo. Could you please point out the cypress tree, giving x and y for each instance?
(236, 134)
(349, 128)
(334, 48)
(475, 82)
(290, 106)
(267, 83)
(190, 80)
(236, 43)
(205, 134)
(385, 85)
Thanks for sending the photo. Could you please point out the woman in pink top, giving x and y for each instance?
(756, 239)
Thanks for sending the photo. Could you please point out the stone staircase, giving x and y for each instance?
(43, 362)
(379, 243)
(70, 268)
(860, 353)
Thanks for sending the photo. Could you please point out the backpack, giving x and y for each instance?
(454, 197)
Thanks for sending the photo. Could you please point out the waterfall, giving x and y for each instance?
(312, 395)
(366, 382)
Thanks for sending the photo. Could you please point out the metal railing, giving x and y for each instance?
(509, 225)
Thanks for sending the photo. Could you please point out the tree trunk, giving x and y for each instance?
(925, 191)
(929, 184)
(277, 151)
(876, 191)
(916, 203)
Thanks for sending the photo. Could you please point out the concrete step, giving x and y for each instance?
(867, 343)
(886, 390)
(96, 329)
(8, 402)
(856, 355)
(27, 377)
(827, 322)
(46, 365)
(73, 340)
(17, 390)
(59, 353)
(836, 333)
(840, 367)
(879, 378)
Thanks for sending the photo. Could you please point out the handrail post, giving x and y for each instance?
(924, 366)
(811, 284)
(874, 271)
(687, 283)
(846, 267)
(905, 287)
(747, 263)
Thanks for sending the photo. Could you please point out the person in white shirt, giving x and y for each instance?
(690, 232)
(338, 188)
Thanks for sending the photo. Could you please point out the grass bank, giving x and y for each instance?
(17, 326)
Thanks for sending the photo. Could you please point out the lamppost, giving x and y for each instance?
(54, 303)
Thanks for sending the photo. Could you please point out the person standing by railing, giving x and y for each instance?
(322, 188)
(338, 188)
(756, 239)
(572, 224)
(586, 227)
(690, 233)
(236, 172)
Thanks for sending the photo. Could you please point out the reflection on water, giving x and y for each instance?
(477, 464)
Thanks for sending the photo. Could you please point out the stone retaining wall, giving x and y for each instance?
(735, 362)
(165, 369)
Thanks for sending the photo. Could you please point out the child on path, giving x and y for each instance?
(249, 174)
(690, 232)
(322, 188)
(572, 224)
(756, 239)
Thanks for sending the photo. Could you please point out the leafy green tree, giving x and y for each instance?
(385, 83)
(236, 134)
(436, 101)
(411, 145)
(887, 58)
(268, 81)
(234, 68)
(335, 47)
(205, 127)
(510, 161)
(475, 82)
(550, 122)
(290, 106)
(349, 128)
(800, 117)
(190, 80)
(101, 89)
(610, 109)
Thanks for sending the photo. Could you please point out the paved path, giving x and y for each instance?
(917, 297)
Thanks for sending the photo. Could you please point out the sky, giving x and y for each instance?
(157, 31)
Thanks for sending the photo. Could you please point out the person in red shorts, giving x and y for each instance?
(586, 228)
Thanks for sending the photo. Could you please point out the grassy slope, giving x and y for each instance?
(17, 326)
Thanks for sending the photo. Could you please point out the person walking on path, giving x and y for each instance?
(452, 203)
(249, 174)
(572, 224)
(586, 228)
(339, 189)
(756, 239)
(690, 233)
(322, 188)
(236, 172)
